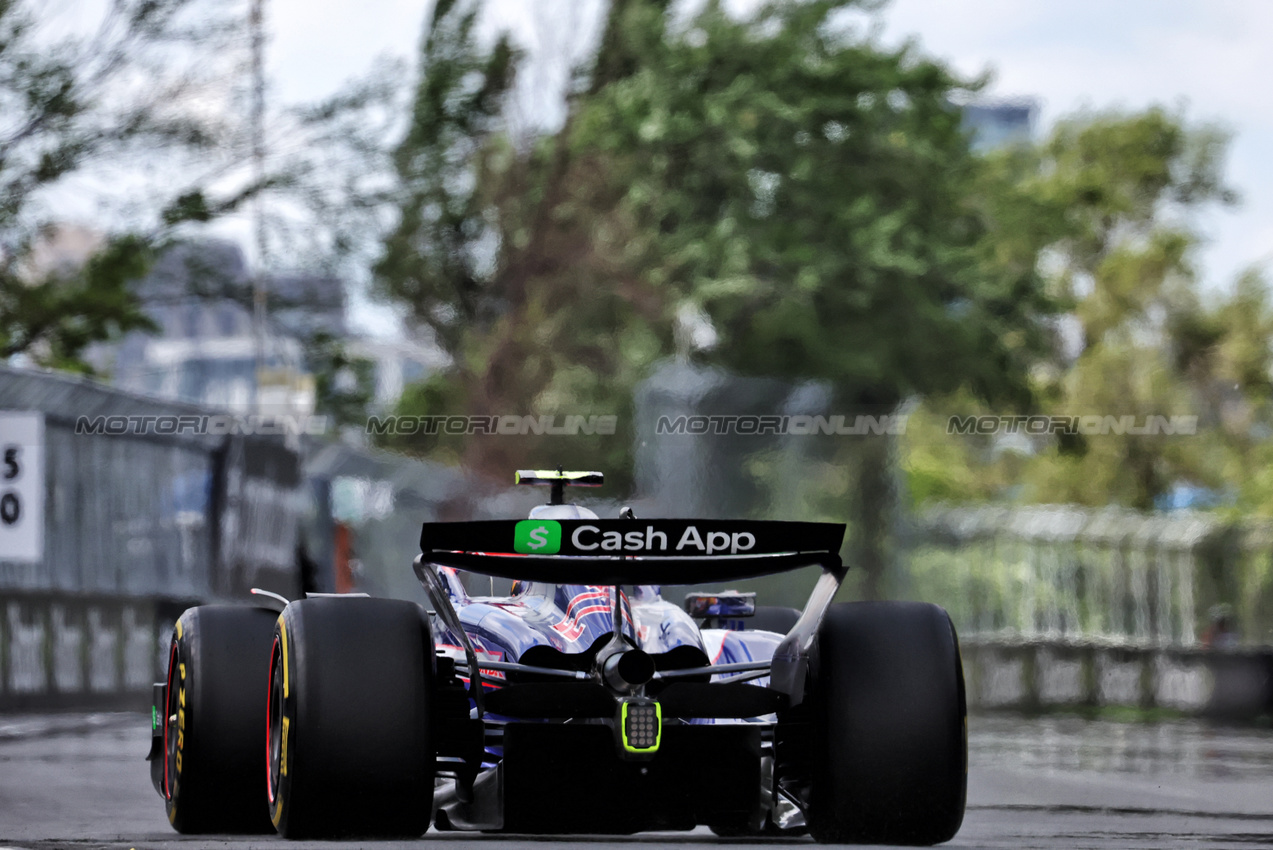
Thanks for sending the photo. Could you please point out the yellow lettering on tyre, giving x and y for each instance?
(276, 816)
(282, 756)
(282, 634)
(181, 716)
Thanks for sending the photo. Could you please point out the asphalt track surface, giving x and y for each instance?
(78, 781)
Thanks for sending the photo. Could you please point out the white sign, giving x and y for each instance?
(21, 486)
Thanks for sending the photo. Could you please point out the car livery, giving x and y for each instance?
(585, 701)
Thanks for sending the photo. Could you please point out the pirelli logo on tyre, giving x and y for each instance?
(537, 537)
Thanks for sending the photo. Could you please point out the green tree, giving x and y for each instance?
(814, 194)
(1104, 206)
(504, 254)
(344, 384)
(1222, 349)
(59, 316)
(1127, 184)
(807, 189)
(80, 103)
(436, 258)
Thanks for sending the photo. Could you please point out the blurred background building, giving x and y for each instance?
(1000, 123)
(199, 294)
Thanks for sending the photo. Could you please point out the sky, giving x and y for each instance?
(1209, 58)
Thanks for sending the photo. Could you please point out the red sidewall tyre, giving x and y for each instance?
(213, 777)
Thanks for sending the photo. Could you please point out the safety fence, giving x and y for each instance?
(1060, 606)
(1111, 576)
(106, 534)
(134, 526)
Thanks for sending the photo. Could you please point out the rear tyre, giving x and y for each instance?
(349, 744)
(889, 731)
(217, 666)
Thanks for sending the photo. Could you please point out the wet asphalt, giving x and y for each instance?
(79, 781)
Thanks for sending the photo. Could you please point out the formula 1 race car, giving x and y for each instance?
(584, 702)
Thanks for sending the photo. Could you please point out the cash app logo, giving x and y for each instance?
(537, 537)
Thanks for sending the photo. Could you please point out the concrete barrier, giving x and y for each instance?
(63, 651)
(1030, 676)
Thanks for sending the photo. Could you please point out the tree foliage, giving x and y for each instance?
(344, 383)
(1105, 207)
(433, 259)
(62, 314)
(501, 253)
(814, 194)
(808, 191)
(75, 103)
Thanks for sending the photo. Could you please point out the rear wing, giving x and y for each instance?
(626, 551)
(631, 551)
